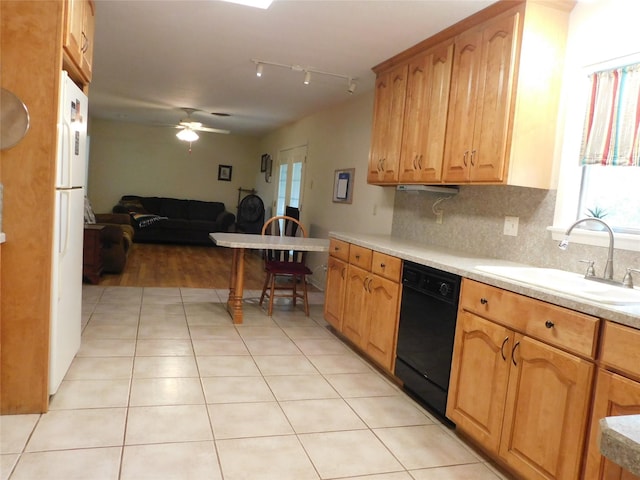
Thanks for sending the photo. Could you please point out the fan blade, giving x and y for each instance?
(204, 129)
(212, 130)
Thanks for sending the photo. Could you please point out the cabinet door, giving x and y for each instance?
(74, 11)
(479, 373)
(615, 395)
(334, 292)
(88, 29)
(425, 115)
(382, 320)
(389, 103)
(462, 106)
(493, 108)
(546, 411)
(355, 304)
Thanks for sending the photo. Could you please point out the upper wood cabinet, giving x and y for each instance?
(388, 111)
(482, 81)
(499, 106)
(425, 115)
(79, 31)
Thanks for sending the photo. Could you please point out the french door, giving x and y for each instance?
(289, 179)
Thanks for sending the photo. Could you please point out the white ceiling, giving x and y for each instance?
(154, 56)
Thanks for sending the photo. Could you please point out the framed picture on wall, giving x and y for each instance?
(264, 160)
(343, 185)
(224, 172)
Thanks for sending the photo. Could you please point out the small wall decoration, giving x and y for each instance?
(264, 162)
(343, 185)
(268, 169)
(224, 172)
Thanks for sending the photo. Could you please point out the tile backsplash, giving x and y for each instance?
(473, 222)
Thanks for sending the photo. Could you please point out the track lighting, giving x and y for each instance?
(351, 81)
(352, 86)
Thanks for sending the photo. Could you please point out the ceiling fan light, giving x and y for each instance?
(259, 69)
(187, 135)
(307, 77)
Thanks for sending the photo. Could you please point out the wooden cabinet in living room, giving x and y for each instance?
(617, 392)
(371, 304)
(521, 380)
(336, 281)
(78, 39)
(388, 112)
(425, 115)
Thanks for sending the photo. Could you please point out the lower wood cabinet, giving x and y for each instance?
(334, 291)
(520, 399)
(371, 314)
(615, 394)
(362, 299)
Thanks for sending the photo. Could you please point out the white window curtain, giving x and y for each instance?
(612, 124)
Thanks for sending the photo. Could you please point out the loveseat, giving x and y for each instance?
(173, 220)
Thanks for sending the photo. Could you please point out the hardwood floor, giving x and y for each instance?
(151, 265)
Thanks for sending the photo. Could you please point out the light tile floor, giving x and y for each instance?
(166, 387)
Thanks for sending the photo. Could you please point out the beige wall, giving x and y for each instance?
(337, 138)
(127, 158)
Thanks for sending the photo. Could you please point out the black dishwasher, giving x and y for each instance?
(425, 335)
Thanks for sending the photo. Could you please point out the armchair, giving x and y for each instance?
(116, 239)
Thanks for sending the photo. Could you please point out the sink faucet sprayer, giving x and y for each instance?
(608, 269)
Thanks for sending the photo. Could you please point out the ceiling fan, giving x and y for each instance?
(188, 127)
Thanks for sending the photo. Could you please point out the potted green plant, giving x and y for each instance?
(596, 212)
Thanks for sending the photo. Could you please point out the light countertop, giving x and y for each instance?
(273, 242)
(463, 264)
(620, 441)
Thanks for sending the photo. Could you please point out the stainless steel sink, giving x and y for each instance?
(566, 282)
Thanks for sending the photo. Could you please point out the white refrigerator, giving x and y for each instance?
(66, 294)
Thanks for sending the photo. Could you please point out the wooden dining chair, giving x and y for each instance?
(287, 264)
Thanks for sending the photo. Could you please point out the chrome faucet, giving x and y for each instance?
(608, 269)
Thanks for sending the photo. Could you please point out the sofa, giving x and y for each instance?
(173, 220)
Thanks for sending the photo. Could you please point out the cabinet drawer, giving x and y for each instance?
(620, 349)
(360, 256)
(386, 266)
(339, 249)
(558, 326)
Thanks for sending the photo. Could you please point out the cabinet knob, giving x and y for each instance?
(357, 257)
(549, 324)
(484, 301)
(382, 265)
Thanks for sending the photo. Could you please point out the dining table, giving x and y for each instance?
(240, 242)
